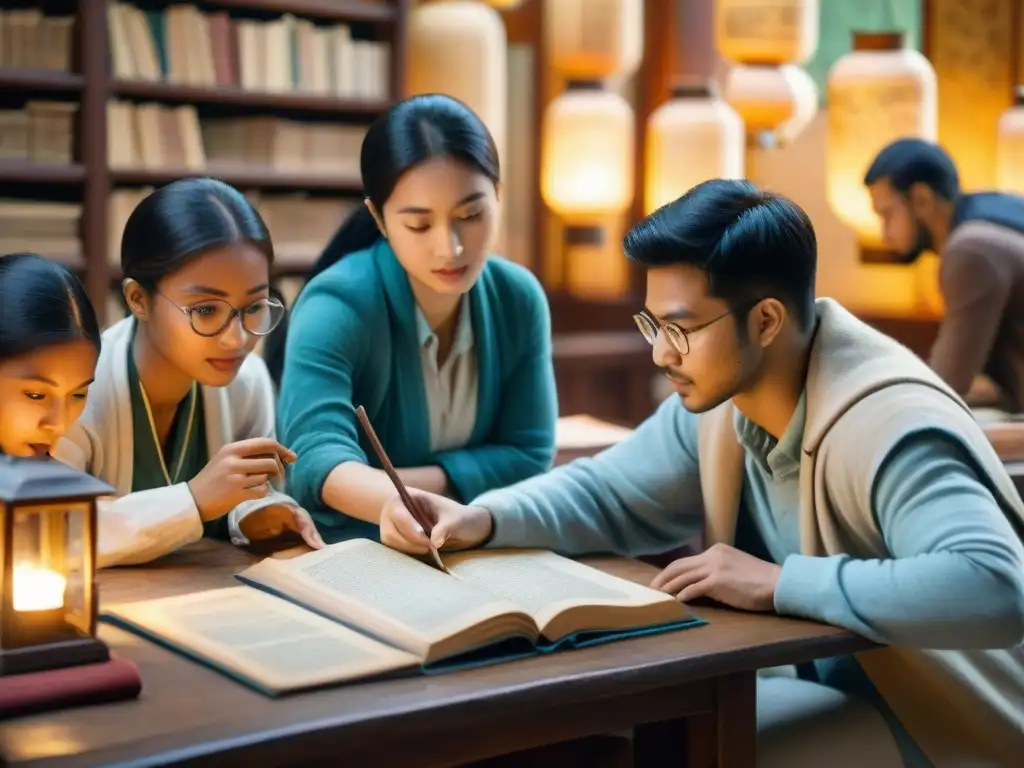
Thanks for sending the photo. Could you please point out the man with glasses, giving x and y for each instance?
(836, 477)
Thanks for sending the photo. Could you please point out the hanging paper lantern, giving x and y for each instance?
(1010, 147)
(879, 92)
(775, 102)
(587, 153)
(766, 31)
(693, 137)
(459, 49)
(594, 39)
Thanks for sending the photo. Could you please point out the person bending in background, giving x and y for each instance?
(837, 479)
(915, 191)
(408, 314)
(180, 420)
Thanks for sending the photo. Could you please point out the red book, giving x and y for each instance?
(81, 685)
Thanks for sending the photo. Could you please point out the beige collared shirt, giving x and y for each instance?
(451, 388)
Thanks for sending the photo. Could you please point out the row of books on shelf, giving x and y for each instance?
(50, 229)
(184, 45)
(156, 136)
(30, 40)
(41, 132)
(299, 225)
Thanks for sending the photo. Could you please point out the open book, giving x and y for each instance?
(359, 609)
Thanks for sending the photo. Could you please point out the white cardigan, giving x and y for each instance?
(139, 527)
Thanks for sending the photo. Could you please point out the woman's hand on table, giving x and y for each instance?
(238, 472)
(276, 520)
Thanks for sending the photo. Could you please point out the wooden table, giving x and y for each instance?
(189, 715)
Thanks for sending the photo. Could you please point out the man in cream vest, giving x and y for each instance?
(836, 477)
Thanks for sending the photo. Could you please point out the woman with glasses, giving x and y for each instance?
(409, 315)
(181, 417)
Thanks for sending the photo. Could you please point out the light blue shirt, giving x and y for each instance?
(771, 502)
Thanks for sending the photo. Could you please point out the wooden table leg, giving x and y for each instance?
(737, 721)
(723, 738)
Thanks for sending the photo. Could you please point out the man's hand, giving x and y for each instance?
(725, 574)
(273, 521)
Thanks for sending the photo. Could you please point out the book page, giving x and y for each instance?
(545, 584)
(384, 592)
(261, 637)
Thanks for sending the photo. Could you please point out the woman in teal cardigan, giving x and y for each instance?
(407, 314)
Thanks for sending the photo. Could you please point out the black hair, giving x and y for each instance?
(906, 162)
(42, 304)
(181, 221)
(411, 132)
(752, 244)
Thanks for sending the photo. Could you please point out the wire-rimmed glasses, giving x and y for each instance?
(212, 316)
(678, 337)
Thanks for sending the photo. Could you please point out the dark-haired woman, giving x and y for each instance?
(181, 421)
(49, 343)
(407, 314)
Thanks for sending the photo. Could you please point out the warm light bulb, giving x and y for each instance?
(37, 588)
(587, 154)
(691, 138)
(775, 102)
(459, 48)
(877, 93)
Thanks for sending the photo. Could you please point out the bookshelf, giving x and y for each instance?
(92, 87)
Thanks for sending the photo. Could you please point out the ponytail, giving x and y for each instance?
(358, 232)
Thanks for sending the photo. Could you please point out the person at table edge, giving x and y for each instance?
(180, 418)
(836, 476)
(915, 190)
(407, 314)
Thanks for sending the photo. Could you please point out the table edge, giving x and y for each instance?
(215, 743)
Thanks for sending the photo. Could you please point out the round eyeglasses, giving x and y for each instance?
(678, 337)
(213, 316)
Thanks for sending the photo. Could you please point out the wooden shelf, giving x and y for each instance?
(329, 10)
(236, 97)
(258, 178)
(91, 180)
(27, 172)
(51, 80)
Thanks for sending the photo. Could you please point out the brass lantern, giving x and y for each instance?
(48, 566)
